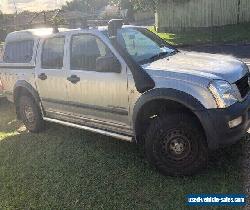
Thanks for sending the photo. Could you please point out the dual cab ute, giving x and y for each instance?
(126, 82)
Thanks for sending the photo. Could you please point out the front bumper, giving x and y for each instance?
(215, 123)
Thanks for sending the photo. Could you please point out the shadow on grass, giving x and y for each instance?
(73, 169)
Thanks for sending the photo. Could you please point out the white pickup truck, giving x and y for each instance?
(126, 82)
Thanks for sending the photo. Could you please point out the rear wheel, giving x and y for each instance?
(30, 114)
(176, 145)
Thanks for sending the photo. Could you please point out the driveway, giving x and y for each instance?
(239, 51)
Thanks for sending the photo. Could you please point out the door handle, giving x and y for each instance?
(42, 76)
(74, 79)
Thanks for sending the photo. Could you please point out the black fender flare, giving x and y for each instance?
(180, 97)
(28, 87)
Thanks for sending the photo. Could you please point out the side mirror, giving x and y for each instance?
(108, 64)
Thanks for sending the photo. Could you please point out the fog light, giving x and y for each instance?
(235, 122)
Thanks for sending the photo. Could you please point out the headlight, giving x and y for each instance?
(223, 93)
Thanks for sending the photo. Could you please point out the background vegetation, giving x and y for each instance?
(239, 34)
(93, 5)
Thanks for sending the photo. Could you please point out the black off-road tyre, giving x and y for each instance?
(30, 114)
(175, 144)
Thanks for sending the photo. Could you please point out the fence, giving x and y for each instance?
(183, 14)
(144, 16)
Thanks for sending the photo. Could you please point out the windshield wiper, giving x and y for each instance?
(157, 57)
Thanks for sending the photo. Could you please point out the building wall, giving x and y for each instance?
(184, 14)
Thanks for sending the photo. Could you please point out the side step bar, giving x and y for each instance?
(95, 130)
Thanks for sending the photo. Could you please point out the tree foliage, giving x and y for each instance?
(2, 30)
(144, 4)
(88, 6)
(138, 4)
(1, 15)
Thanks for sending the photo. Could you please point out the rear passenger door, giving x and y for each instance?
(100, 98)
(51, 76)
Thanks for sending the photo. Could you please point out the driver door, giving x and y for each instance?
(97, 98)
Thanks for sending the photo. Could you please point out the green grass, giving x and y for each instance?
(65, 168)
(219, 35)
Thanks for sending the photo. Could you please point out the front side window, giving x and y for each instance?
(18, 52)
(85, 49)
(142, 45)
(53, 53)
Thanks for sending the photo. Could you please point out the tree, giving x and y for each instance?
(1, 15)
(140, 5)
(145, 4)
(86, 6)
(2, 29)
(91, 6)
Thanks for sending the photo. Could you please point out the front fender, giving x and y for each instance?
(168, 94)
(184, 99)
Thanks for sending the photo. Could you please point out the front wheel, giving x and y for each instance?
(176, 145)
(30, 114)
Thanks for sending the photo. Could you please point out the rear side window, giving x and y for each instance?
(53, 52)
(18, 52)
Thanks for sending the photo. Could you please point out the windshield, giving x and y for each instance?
(143, 45)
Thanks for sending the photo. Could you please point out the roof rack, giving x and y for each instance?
(87, 21)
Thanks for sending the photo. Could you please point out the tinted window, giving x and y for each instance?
(19, 52)
(85, 49)
(53, 52)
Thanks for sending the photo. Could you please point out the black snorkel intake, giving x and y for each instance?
(143, 82)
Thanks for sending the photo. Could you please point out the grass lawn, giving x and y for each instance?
(65, 168)
(219, 35)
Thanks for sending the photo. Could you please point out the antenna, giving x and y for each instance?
(44, 17)
(55, 22)
(84, 23)
(15, 17)
(14, 2)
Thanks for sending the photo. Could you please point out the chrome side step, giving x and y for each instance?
(95, 130)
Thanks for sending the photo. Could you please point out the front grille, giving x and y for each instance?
(243, 86)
